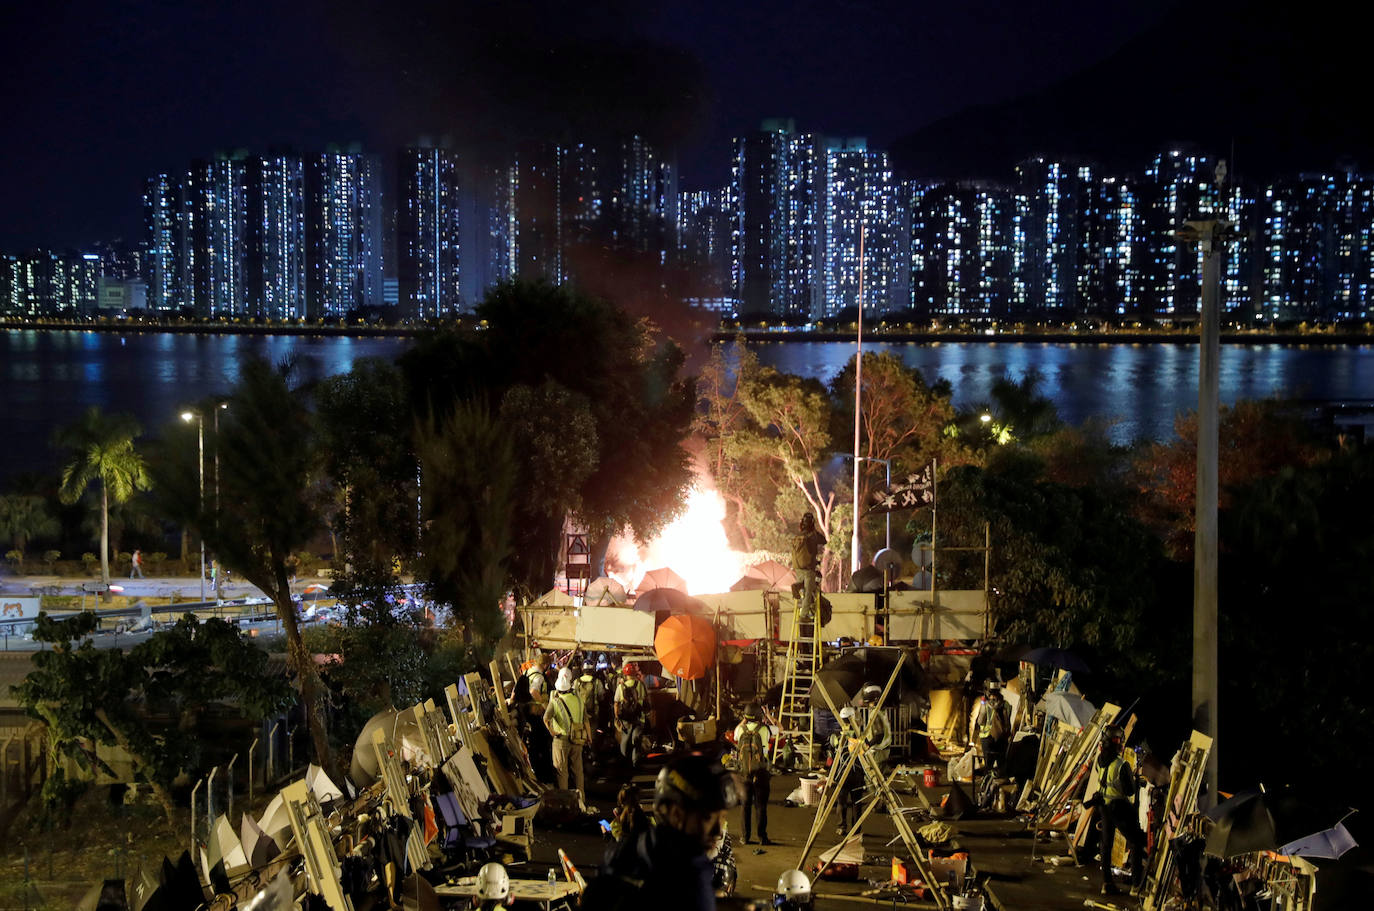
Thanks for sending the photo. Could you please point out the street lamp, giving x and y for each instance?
(199, 418)
(887, 463)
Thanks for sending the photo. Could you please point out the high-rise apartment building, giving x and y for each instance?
(428, 242)
(862, 202)
(964, 255)
(777, 196)
(343, 234)
(216, 202)
(703, 231)
(164, 242)
(275, 268)
(1059, 214)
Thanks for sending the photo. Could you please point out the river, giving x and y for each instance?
(49, 377)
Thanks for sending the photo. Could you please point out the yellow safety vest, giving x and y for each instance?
(571, 717)
(1110, 782)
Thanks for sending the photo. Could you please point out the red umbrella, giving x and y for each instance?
(668, 599)
(661, 578)
(686, 644)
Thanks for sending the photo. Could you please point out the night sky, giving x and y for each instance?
(100, 95)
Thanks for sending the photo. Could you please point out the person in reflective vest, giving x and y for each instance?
(879, 738)
(1116, 796)
(994, 730)
(566, 719)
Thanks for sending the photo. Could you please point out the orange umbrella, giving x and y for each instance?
(686, 644)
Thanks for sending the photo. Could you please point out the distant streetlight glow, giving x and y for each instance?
(985, 418)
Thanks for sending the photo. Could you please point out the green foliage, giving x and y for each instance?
(15, 558)
(25, 517)
(86, 694)
(1070, 566)
(102, 455)
(467, 466)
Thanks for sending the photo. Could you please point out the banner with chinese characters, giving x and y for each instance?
(915, 490)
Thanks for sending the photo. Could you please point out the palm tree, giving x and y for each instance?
(24, 517)
(102, 448)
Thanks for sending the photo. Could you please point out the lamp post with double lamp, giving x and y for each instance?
(199, 418)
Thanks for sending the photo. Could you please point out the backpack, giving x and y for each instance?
(750, 746)
(628, 708)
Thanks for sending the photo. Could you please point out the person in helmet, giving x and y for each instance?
(666, 867)
(993, 727)
(807, 547)
(879, 737)
(592, 692)
(851, 786)
(566, 719)
(751, 747)
(794, 892)
(631, 709)
(1116, 796)
(493, 888)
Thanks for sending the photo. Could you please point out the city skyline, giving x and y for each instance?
(287, 236)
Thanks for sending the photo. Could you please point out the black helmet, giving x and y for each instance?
(752, 712)
(807, 519)
(696, 782)
(1112, 737)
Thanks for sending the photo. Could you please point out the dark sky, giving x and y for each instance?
(99, 95)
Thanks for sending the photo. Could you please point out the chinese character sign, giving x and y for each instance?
(915, 490)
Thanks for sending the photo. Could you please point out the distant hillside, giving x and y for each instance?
(1287, 85)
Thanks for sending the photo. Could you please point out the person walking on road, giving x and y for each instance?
(567, 720)
(136, 564)
(631, 708)
(665, 867)
(751, 745)
(1116, 796)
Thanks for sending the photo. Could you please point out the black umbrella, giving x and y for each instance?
(1264, 820)
(670, 600)
(868, 579)
(846, 675)
(1056, 657)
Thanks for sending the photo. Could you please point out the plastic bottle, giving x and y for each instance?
(552, 879)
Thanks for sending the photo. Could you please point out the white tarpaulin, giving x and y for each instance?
(615, 626)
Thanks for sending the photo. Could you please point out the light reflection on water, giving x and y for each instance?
(48, 378)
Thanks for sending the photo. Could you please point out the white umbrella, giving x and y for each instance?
(1329, 843)
(225, 845)
(1069, 708)
(275, 820)
(604, 591)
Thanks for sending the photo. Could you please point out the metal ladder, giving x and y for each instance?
(794, 710)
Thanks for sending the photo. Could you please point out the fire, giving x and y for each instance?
(694, 546)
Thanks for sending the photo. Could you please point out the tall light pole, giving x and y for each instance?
(887, 463)
(199, 418)
(854, 554)
(1211, 236)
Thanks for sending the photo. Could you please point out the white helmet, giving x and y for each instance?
(565, 680)
(871, 692)
(793, 886)
(846, 714)
(493, 883)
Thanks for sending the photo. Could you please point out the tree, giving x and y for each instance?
(721, 414)
(790, 439)
(533, 333)
(902, 420)
(24, 517)
(268, 506)
(1070, 567)
(1257, 439)
(554, 431)
(1022, 409)
(468, 477)
(102, 448)
(89, 695)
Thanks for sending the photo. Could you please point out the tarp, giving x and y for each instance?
(554, 597)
